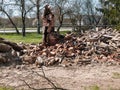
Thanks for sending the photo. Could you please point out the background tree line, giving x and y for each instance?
(74, 12)
(110, 10)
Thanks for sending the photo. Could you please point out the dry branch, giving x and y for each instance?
(53, 86)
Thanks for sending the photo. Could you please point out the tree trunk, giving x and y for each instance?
(17, 31)
(60, 23)
(58, 29)
(38, 28)
(23, 27)
(38, 16)
(72, 20)
(23, 17)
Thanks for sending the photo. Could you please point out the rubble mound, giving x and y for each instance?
(102, 46)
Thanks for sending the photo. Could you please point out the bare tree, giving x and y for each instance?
(91, 12)
(24, 7)
(75, 14)
(23, 14)
(38, 16)
(9, 15)
(36, 3)
(60, 9)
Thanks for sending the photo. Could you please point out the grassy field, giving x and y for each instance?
(30, 37)
(17, 28)
(6, 88)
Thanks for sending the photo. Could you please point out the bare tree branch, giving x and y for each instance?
(54, 87)
(9, 17)
(29, 10)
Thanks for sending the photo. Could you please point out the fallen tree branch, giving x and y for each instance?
(12, 44)
(53, 86)
(42, 88)
(49, 81)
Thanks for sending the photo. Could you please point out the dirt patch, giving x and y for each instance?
(71, 78)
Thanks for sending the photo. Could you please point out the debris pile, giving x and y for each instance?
(8, 51)
(91, 46)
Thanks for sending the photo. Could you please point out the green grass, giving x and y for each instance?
(6, 88)
(94, 87)
(18, 28)
(29, 38)
(116, 75)
(64, 32)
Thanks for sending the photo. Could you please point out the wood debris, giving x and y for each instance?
(91, 46)
(100, 46)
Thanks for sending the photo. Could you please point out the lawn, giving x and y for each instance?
(6, 88)
(29, 38)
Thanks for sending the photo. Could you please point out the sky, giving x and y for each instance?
(16, 13)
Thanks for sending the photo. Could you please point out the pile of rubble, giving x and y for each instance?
(91, 46)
